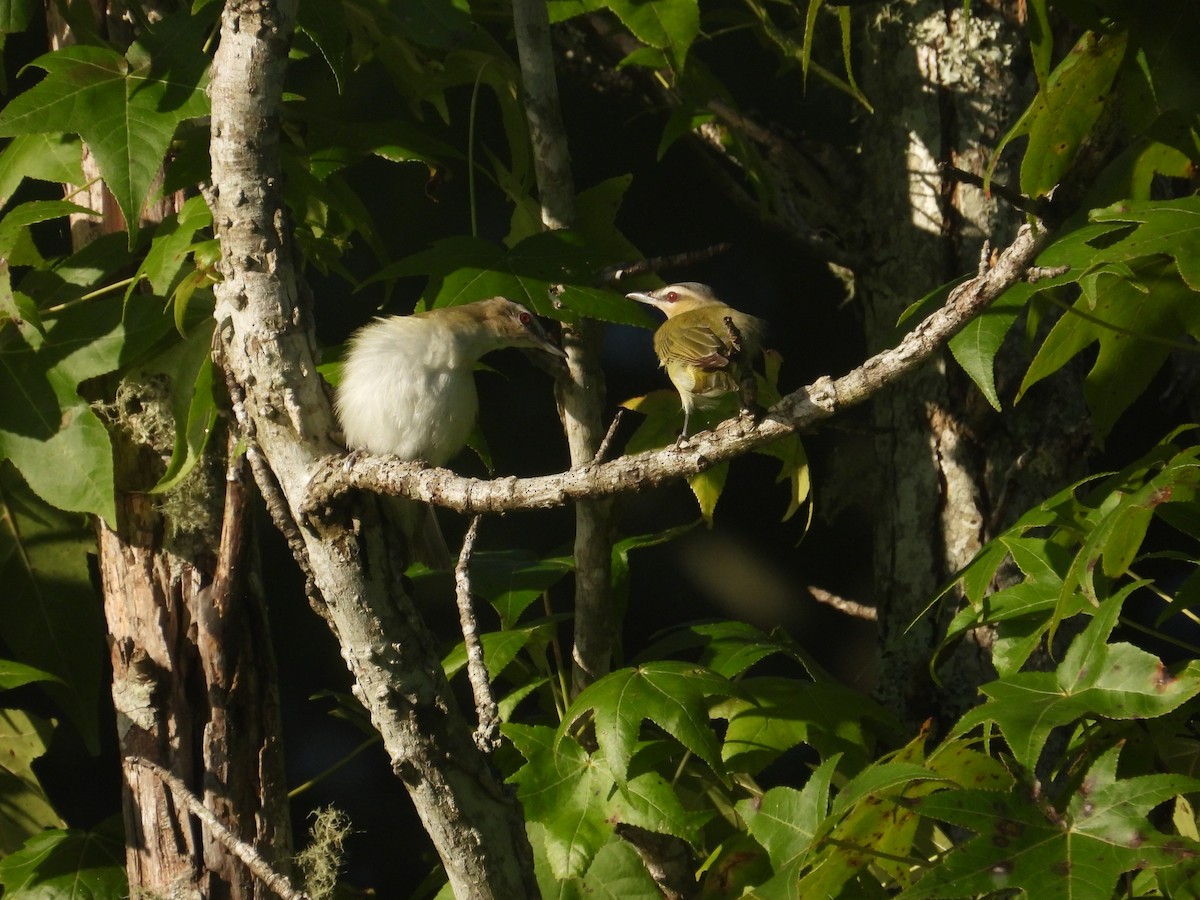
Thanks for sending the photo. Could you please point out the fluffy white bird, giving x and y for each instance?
(408, 389)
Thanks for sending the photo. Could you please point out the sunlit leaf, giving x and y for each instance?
(125, 108)
(1095, 678)
(1023, 846)
(672, 695)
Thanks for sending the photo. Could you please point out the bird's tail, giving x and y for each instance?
(426, 543)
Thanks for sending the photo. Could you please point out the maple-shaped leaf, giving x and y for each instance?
(70, 863)
(46, 428)
(124, 107)
(787, 822)
(578, 803)
(1024, 844)
(673, 695)
(1136, 316)
(1095, 678)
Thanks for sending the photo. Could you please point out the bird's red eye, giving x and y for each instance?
(525, 318)
(672, 296)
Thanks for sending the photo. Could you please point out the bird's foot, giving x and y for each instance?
(351, 458)
(753, 412)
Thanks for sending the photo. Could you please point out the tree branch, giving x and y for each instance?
(581, 396)
(277, 882)
(800, 409)
(487, 733)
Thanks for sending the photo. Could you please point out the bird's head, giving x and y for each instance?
(678, 298)
(511, 324)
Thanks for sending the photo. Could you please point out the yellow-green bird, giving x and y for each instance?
(706, 346)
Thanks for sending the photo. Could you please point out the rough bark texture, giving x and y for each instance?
(193, 676)
(285, 413)
(945, 86)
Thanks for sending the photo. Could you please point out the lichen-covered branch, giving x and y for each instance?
(285, 414)
(800, 409)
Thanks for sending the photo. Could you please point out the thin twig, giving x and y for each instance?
(609, 437)
(277, 882)
(621, 271)
(841, 604)
(1039, 207)
(487, 734)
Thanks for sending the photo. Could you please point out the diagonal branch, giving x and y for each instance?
(800, 409)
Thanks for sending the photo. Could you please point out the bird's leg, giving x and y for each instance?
(748, 396)
(683, 435)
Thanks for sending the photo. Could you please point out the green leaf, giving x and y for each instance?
(88, 865)
(561, 788)
(125, 108)
(463, 269)
(189, 366)
(44, 157)
(24, 807)
(16, 15)
(1095, 679)
(1065, 110)
(46, 428)
(618, 873)
(788, 822)
(1168, 227)
(1023, 845)
(15, 674)
(663, 422)
(667, 25)
(707, 487)
(672, 695)
(499, 649)
(164, 264)
(512, 581)
(49, 614)
(1136, 325)
(975, 347)
(775, 714)
(16, 246)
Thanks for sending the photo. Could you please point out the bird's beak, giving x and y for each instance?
(539, 339)
(642, 298)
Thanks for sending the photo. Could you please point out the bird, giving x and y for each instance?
(407, 389)
(706, 346)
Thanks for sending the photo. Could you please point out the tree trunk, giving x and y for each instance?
(946, 83)
(193, 674)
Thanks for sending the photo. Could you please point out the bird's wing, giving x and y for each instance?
(695, 344)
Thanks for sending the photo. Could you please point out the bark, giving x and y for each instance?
(280, 403)
(193, 679)
(193, 676)
(945, 84)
